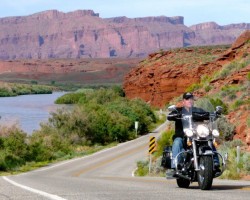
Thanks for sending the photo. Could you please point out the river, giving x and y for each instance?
(28, 111)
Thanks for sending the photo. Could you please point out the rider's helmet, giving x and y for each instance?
(188, 95)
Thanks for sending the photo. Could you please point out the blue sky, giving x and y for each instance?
(222, 12)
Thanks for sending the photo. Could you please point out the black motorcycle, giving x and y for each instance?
(196, 163)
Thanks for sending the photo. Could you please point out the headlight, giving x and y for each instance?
(215, 133)
(188, 132)
(202, 131)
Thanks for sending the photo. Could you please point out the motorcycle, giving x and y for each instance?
(196, 163)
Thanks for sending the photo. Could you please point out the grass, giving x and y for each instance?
(235, 169)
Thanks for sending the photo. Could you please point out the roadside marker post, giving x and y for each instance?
(152, 149)
(238, 157)
(136, 127)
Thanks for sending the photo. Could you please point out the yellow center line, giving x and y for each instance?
(141, 179)
(245, 188)
(90, 168)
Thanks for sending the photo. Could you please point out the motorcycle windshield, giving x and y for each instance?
(196, 121)
(187, 121)
(206, 113)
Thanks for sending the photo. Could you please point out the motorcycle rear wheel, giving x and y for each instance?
(205, 174)
(183, 183)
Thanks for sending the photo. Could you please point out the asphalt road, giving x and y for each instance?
(109, 175)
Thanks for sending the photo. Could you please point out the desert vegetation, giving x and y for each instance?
(14, 89)
(97, 119)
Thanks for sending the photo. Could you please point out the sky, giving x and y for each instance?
(222, 12)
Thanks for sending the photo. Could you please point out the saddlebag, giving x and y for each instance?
(166, 157)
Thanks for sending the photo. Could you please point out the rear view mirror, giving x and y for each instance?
(219, 109)
(172, 108)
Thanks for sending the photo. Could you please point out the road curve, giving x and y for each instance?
(108, 175)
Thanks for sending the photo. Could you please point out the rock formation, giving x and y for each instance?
(83, 34)
(167, 74)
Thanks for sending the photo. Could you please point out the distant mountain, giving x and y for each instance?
(83, 34)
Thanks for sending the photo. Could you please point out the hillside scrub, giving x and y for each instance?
(14, 89)
(98, 118)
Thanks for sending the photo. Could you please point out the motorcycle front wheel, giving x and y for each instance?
(205, 173)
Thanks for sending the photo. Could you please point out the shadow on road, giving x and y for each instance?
(226, 187)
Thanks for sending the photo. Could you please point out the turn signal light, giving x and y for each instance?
(215, 143)
(189, 143)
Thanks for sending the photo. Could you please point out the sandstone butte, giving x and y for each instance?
(84, 34)
(166, 75)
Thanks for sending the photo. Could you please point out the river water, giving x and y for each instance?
(28, 111)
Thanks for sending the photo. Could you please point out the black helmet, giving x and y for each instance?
(188, 95)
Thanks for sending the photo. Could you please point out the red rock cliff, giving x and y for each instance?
(83, 34)
(165, 75)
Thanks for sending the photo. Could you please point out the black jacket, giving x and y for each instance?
(198, 115)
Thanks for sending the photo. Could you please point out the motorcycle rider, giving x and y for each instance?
(179, 139)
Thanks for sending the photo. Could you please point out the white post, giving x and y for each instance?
(150, 162)
(238, 158)
(136, 127)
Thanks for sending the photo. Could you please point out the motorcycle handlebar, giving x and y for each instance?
(195, 115)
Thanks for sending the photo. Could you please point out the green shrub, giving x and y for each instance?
(106, 127)
(3, 166)
(15, 143)
(44, 145)
(34, 82)
(71, 98)
(237, 104)
(233, 168)
(102, 96)
(205, 104)
(248, 121)
(39, 89)
(38, 152)
(13, 149)
(118, 90)
(164, 140)
(226, 129)
(12, 162)
(142, 168)
(232, 97)
(6, 92)
(218, 102)
(208, 88)
(23, 91)
(246, 162)
(248, 76)
(193, 87)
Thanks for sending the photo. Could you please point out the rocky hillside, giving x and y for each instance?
(166, 74)
(83, 34)
(219, 72)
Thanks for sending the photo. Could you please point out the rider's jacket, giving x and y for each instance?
(198, 115)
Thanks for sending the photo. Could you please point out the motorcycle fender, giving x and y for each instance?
(205, 150)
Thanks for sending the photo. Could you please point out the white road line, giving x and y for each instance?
(50, 196)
